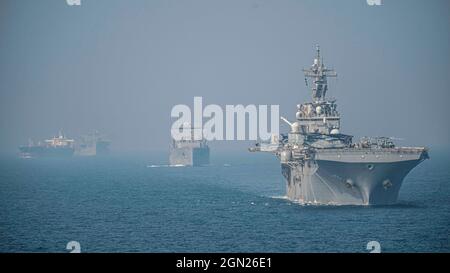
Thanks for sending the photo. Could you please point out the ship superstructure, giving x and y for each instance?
(323, 166)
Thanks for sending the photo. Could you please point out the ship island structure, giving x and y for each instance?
(323, 166)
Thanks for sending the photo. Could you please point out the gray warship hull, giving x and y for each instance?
(189, 156)
(97, 148)
(349, 177)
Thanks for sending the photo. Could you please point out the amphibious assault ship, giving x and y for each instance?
(324, 166)
(58, 146)
(189, 152)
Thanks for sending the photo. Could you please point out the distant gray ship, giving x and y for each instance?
(323, 166)
(58, 146)
(92, 145)
(189, 152)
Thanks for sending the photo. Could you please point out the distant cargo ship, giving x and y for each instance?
(58, 146)
(92, 145)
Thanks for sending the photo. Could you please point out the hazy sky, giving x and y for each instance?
(120, 66)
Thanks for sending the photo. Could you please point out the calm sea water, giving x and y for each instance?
(236, 205)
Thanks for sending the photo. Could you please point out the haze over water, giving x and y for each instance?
(120, 66)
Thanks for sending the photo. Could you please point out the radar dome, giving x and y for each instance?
(318, 110)
(334, 131)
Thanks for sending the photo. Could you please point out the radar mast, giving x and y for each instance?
(319, 73)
